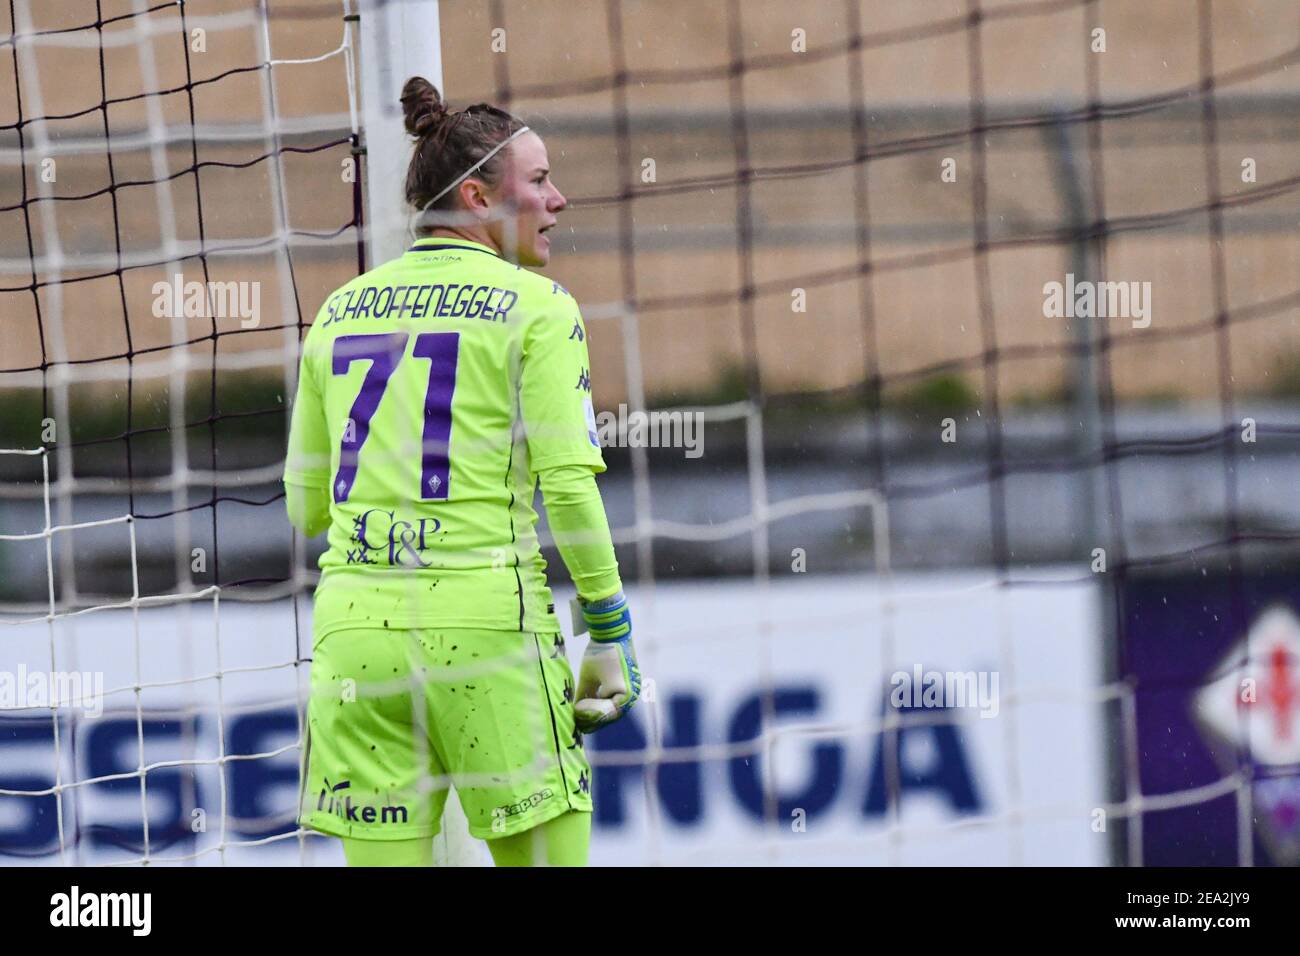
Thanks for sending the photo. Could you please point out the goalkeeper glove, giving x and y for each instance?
(609, 682)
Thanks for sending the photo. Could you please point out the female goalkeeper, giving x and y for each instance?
(435, 392)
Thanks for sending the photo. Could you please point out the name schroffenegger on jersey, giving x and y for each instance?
(489, 303)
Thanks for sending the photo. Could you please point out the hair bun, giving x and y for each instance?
(423, 107)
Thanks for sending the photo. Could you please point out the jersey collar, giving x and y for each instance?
(442, 242)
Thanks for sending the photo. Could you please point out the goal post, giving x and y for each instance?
(400, 40)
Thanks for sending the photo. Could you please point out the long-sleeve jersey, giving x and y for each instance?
(433, 392)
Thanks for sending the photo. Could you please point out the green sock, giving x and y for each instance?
(389, 852)
(563, 841)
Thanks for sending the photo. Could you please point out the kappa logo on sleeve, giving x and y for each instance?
(592, 434)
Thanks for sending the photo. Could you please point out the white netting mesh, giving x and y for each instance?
(830, 537)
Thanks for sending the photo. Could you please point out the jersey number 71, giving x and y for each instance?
(384, 351)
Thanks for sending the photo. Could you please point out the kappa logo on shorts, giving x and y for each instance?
(524, 805)
(343, 807)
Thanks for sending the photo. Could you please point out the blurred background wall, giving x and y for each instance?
(922, 298)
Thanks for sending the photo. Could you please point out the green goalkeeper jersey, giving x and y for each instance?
(432, 391)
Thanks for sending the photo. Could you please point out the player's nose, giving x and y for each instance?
(557, 202)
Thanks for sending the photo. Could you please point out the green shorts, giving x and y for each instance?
(396, 716)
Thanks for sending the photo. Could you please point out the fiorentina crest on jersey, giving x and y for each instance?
(1253, 705)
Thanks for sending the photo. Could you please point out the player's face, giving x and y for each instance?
(527, 184)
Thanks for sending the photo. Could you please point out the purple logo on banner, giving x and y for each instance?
(1252, 702)
(1218, 707)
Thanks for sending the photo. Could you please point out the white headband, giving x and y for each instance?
(469, 172)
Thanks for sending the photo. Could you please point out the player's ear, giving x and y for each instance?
(474, 194)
